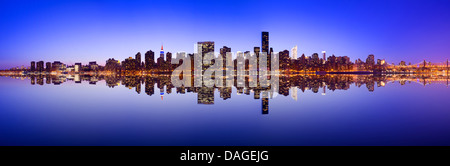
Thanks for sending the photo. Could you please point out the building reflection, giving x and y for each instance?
(205, 94)
(265, 106)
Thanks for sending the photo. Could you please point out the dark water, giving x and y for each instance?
(328, 110)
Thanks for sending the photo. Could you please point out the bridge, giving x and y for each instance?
(423, 66)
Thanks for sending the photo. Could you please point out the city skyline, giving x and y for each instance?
(206, 56)
(96, 31)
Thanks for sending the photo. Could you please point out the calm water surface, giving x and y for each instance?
(95, 114)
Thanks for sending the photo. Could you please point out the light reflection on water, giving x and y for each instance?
(338, 110)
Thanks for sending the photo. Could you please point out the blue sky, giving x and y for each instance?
(81, 31)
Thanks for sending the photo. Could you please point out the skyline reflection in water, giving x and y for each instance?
(355, 110)
(205, 95)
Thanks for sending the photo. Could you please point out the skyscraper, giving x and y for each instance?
(370, 62)
(207, 49)
(223, 53)
(257, 50)
(161, 53)
(160, 60)
(149, 59)
(48, 67)
(33, 66)
(56, 65)
(265, 42)
(180, 55)
(93, 65)
(324, 57)
(169, 60)
(269, 58)
(40, 66)
(77, 67)
(265, 47)
(284, 60)
(138, 60)
(294, 52)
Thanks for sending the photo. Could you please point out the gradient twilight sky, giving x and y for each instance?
(82, 31)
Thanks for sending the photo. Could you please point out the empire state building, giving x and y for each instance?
(161, 54)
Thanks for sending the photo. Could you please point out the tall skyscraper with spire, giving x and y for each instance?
(160, 60)
(161, 54)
